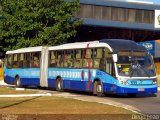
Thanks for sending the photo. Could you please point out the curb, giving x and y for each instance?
(3, 83)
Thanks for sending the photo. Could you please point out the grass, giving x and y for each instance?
(61, 108)
(55, 105)
(11, 90)
(58, 108)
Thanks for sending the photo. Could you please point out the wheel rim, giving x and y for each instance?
(99, 88)
(18, 82)
(59, 85)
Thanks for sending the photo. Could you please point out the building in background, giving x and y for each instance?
(119, 19)
(126, 19)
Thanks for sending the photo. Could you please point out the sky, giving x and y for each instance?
(155, 1)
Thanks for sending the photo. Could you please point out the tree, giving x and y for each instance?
(37, 22)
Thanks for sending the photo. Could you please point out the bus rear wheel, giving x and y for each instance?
(18, 82)
(97, 90)
(132, 94)
(59, 85)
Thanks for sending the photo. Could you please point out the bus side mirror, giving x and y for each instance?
(115, 57)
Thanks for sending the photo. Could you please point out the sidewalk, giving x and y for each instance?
(3, 83)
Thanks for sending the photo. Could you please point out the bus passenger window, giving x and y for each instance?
(35, 60)
(15, 61)
(60, 59)
(21, 60)
(27, 60)
(78, 59)
(87, 61)
(98, 58)
(68, 58)
(9, 61)
(53, 59)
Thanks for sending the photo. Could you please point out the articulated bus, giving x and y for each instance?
(105, 66)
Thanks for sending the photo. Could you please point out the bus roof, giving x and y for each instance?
(121, 44)
(24, 50)
(111, 44)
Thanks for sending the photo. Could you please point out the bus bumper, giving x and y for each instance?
(130, 89)
(136, 90)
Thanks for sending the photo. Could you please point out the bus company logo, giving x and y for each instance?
(158, 18)
(148, 46)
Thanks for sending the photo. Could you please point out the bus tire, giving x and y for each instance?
(132, 94)
(18, 82)
(94, 88)
(59, 85)
(98, 89)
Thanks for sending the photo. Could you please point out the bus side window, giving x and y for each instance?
(35, 61)
(109, 64)
(9, 61)
(88, 55)
(68, 58)
(60, 58)
(21, 60)
(15, 61)
(78, 58)
(27, 60)
(98, 60)
(53, 59)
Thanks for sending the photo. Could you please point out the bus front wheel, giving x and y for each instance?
(132, 94)
(59, 85)
(98, 89)
(17, 82)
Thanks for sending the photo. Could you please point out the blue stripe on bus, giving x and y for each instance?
(128, 89)
(24, 81)
(70, 84)
(9, 80)
(82, 85)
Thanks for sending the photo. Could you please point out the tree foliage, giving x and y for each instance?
(37, 22)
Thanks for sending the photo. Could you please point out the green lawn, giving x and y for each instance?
(58, 107)
(12, 90)
(55, 105)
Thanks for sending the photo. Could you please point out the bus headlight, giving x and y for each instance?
(155, 81)
(123, 82)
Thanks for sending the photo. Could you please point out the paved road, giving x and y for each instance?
(144, 103)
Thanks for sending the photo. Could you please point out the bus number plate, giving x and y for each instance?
(141, 89)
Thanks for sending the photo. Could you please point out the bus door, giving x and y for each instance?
(44, 67)
(109, 64)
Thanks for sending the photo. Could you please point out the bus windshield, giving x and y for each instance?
(135, 64)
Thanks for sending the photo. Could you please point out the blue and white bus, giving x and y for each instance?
(105, 66)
